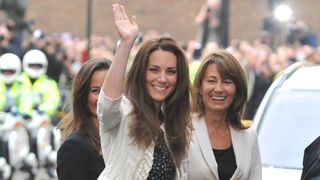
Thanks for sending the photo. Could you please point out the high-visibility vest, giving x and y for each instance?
(193, 68)
(44, 92)
(16, 94)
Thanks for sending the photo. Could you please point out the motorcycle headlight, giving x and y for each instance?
(18, 145)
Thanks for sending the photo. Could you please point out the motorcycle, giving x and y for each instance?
(15, 148)
(44, 140)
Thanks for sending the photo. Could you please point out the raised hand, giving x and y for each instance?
(126, 28)
(128, 31)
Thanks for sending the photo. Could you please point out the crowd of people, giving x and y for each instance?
(161, 110)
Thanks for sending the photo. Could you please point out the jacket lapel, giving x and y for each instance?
(238, 148)
(202, 137)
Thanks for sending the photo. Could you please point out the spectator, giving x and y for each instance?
(208, 21)
(5, 38)
(302, 34)
(16, 10)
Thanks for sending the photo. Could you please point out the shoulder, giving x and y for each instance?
(249, 135)
(48, 79)
(75, 136)
(24, 77)
(195, 118)
(73, 151)
(75, 142)
(250, 132)
(197, 121)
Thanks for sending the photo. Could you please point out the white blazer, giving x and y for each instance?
(202, 163)
(123, 159)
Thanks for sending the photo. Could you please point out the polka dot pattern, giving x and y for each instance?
(163, 166)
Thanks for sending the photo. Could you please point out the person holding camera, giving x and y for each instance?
(208, 21)
(15, 11)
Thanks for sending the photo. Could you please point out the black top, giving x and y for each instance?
(163, 167)
(76, 160)
(226, 162)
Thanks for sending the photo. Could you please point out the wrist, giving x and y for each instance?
(124, 46)
(125, 43)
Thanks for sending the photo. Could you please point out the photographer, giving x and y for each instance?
(15, 11)
(208, 21)
(5, 37)
(301, 33)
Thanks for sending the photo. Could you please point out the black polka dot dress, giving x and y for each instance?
(163, 167)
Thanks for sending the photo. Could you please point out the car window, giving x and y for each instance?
(290, 123)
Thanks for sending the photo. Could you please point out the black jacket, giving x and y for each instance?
(311, 161)
(76, 160)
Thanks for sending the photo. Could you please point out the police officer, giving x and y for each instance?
(13, 90)
(44, 91)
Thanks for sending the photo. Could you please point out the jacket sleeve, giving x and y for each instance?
(112, 116)
(256, 167)
(109, 111)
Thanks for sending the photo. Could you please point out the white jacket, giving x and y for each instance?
(202, 162)
(123, 159)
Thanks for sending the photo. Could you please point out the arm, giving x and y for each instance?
(201, 14)
(109, 110)
(128, 30)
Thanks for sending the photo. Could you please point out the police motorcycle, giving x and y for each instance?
(39, 123)
(55, 143)
(56, 140)
(44, 140)
(15, 148)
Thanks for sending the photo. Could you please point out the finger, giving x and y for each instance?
(134, 20)
(116, 14)
(124, 15)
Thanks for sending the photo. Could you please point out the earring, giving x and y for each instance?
(200, 97)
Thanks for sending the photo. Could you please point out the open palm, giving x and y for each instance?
(127, 28)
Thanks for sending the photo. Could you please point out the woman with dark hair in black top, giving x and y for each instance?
(79, 156)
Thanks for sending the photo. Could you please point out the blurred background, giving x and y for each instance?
(245, 17)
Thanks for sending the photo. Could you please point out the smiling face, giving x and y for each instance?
(217, 92)
(95, 86)
(161, 75)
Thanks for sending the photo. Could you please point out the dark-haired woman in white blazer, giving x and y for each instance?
(222, 148)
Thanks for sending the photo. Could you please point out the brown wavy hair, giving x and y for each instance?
(144, 126)
(79, 118)
(229, 67)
